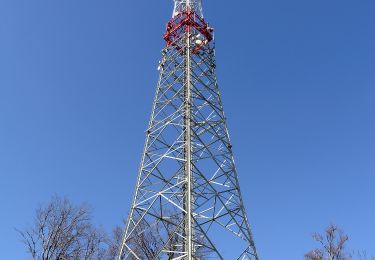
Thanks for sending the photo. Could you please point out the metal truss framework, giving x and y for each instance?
(187, 194)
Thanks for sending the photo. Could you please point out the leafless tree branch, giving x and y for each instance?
(332, 245)
(63, 231)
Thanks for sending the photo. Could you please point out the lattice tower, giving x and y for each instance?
(188, 202)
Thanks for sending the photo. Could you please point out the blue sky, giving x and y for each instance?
(77, 80)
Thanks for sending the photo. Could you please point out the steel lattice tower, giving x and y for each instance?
(187, 203)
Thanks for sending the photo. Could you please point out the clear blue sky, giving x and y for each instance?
(77, 79)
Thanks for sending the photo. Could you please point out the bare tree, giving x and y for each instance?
(332, 245)
(362, 255)
(114, 243)
(150, 241)
(63, 231)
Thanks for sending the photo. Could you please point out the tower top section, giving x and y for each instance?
(188, 5)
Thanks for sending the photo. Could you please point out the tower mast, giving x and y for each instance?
(188, 203)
